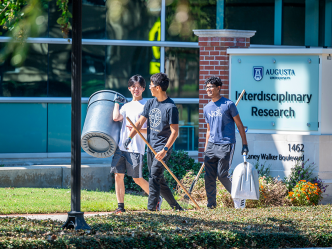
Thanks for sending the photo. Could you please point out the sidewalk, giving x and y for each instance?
(54, 216)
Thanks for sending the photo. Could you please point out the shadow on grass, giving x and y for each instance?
(219, 228)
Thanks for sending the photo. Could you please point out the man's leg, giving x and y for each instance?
(119, 169)
(210, 177)
(142, 183)
(134, 165)
(119, 187)
(225, 153)
(157, 183)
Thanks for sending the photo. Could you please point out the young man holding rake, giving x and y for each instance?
(162, 118)
(131, 157)
(221, 115)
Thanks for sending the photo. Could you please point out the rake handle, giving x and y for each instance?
(168, 169)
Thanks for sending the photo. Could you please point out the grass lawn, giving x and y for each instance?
(218, 228)
(50, 200)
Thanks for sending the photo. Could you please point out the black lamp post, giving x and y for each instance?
(75, 216)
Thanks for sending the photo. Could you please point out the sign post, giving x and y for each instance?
(75, 216)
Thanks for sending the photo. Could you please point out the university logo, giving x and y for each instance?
(216, 113)
(258, 73)
(155, 117)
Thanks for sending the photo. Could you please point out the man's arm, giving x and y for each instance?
(174, 134)
(140, 122)
(116, 113)
(133, 132)
(242, 132)
(207, 135)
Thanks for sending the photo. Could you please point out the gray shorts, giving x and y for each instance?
(130, 161)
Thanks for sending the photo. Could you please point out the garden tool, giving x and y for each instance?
(245, 183)
(168, 169)
(202, 167)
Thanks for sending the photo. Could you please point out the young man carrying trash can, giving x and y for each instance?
(221, 115)
(131, 157)
(162, 128)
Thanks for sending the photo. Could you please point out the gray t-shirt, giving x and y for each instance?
(160, 116)
(219, 115)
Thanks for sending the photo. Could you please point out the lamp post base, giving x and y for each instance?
(76, 221)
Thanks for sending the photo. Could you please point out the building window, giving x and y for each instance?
(182, 68)
(251, 15)
(293, 22)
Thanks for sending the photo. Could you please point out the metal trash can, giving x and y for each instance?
(100, 135)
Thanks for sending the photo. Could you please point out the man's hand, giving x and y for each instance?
(160, 155)
(120, 100)
(126, 143)
(245, 149)
(129, 127)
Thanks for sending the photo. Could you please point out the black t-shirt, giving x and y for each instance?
(160, 116)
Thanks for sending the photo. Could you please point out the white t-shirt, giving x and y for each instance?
(133, 110)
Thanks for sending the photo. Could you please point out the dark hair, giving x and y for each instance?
(160, 79)
(136, 78)
(213, 80)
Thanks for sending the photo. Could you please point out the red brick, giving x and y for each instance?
(203, 72)
(221, 48)
(201, 48)
(220, 67)
(209, 67)
(215, 44)
(202, 44)
(222, 58)
(209, 58)
(214, 39)
(214, 62)
(223, 77)
(201, 149)
(223, 62)
(214, 72)
(201, 68)
(248, 40)
(241, 39)
(201, 92)
(215, 52)
(201, 58)
(202, 38)
(202, 140)
(227, 39)
(228, 44)
(241, 44)
(205, 101)
(204, 53)
(209, 48)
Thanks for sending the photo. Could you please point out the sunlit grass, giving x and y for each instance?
(51, 200)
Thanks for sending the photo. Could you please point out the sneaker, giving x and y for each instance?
(179, 208)
(213, 206)
(119, 211)
(159, 203)
(239, 203)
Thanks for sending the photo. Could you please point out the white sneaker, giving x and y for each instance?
(159, 203)
(239, 203)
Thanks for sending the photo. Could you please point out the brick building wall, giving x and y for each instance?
(214, 61)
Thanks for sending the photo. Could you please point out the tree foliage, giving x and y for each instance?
(21, 19)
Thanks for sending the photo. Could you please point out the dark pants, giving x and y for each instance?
(218, 158)
(157, 183)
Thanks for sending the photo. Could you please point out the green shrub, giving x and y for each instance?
(179, 163)
(303, 171)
